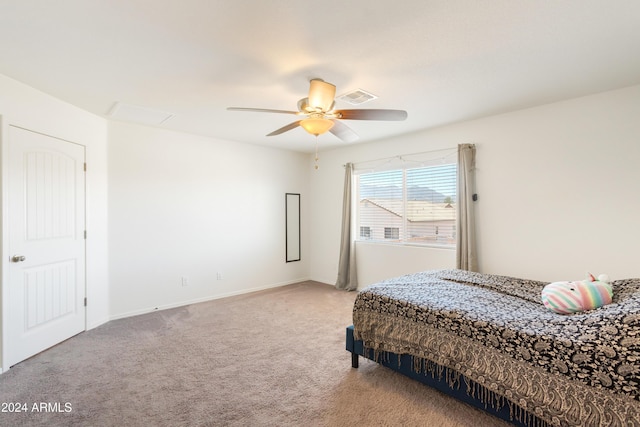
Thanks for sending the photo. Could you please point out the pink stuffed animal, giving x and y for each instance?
(572, 297)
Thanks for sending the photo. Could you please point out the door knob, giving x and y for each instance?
(18, 258)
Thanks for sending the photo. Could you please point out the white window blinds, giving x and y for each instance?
(411, 203)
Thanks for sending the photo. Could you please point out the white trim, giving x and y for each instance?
(205, 299)
(325, 281)
(4, 297)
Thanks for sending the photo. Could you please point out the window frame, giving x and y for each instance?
(403, 238)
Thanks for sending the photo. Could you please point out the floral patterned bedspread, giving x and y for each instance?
(579, 369)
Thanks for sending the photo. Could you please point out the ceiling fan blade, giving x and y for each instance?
(261, 110)
(343, 131)
(285, 128)
(372, 114)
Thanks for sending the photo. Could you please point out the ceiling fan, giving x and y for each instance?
(321, 117)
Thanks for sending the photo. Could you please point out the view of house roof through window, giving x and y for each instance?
(414, 205)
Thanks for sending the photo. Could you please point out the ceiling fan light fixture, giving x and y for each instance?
(316, 126)
(321, 95)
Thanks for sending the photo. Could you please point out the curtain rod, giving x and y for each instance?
(400, 156)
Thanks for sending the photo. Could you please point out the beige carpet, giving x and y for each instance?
(270, 358)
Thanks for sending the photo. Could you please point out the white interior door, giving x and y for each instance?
(46, 219)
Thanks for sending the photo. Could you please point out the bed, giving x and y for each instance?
(489, 340)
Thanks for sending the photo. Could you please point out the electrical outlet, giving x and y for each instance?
(184, 281)
(219, 276)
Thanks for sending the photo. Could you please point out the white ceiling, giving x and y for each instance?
(440, 60)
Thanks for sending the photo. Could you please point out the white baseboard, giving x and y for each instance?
(204, 299)
(98, 323)
(331, 282)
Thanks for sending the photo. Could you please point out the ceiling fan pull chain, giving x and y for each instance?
(316, 166)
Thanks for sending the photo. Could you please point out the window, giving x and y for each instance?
(412, 205)
(392, 233)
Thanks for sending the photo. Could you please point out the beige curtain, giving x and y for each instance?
(466, 257)
(347, 278)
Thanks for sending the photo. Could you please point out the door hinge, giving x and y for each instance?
(85, 167)
(85, 234)
(85, 301)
